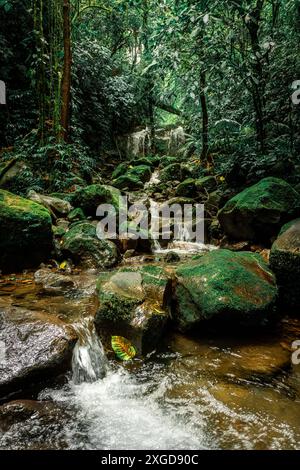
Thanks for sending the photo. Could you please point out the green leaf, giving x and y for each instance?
(123, 349)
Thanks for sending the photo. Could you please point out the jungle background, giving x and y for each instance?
(80, 73)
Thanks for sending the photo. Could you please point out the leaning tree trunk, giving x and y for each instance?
(66, 78)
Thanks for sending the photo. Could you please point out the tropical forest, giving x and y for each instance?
(150, 225)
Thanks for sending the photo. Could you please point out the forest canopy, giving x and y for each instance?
(80, 73)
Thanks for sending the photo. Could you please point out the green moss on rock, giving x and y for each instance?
(285, 262)
(26, 236)
(259, 211)
(90, 197)
(171, 173)
(226, 286)
(133, 302)
(83, 246)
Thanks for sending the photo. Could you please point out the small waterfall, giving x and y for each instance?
(183, 243)
(89, 362)
(139, 143)
(177, 140)
(153, 180)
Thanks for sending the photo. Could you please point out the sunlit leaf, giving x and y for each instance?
(123, 349)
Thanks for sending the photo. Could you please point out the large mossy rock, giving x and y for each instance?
(90, 197)
(134, 303)
(85, 248)
(285, 262)
(134, 178)
(258, 212)
(225, 287)
(171, 172)
(36, 346)
(194, 187)
(120, 170)
(129, 182)
(26, 236)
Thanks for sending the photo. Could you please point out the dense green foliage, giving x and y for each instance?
(224, 70)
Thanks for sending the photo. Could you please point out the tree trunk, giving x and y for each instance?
(205, 143)
(149, 76)
(66, 78)
(258, 88)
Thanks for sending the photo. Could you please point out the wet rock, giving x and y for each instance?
(134, 303)
(26, 237)
(172, 257)
(285, 262)
(258, 212)
(52, 282)
(57, 207)
(37, 346)
(90, 197)
(229, 288)
(9, 170)
(85, 248)
(29, 424)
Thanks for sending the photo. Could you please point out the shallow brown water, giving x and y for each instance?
(205, 392)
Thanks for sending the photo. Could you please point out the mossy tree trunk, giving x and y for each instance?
(67, 69)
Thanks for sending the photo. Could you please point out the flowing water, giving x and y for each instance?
(183, 244)
(89, 361)
(209, 392)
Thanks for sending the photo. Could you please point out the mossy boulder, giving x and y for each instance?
(134, 303)
(26, 236)
(285, 262)
(206, 184)
(151, 162)
(187, 188)
(192, 187)
(258, 212)
(143, 172)
(227, 288)
(128, 182)
(120, 170)
(171, 173)
(85, 248)
(90, 197)
(134, 179)
(76, 215)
